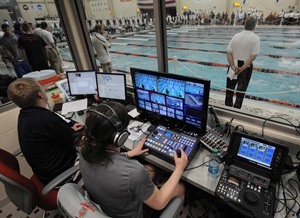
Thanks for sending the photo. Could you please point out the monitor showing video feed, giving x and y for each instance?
(82, 82)
(174, 96)
(111, 86)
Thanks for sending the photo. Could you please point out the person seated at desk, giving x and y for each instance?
(119, 184)
(46, 140)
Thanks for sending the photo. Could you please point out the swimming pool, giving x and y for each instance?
(203, 53)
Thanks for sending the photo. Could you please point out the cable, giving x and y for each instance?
(291, 124)
(206, 211)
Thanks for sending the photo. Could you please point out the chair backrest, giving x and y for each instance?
(73, 201)
(19, 189)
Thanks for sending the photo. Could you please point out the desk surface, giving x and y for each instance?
(198, 177)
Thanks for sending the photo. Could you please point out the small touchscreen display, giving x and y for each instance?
(256, 151)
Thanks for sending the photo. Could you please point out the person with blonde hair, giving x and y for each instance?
(45, 139)
(102, 46)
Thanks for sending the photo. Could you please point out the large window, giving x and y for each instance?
(131, 28)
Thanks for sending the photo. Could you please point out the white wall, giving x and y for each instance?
(267, 6)
(125, 9)
(33, 11)
(5, 16)
(215, 5)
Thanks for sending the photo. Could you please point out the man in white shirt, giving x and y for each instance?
(249, 11)
(37, 30)
(101, 46)
(52, 51)
(241, 52)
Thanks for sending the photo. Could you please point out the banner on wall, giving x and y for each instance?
(100, 9)
(125, 0)
(200, 1)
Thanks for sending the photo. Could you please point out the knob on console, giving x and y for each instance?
(251, 197)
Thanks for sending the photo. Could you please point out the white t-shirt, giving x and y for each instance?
(101, 46)
(47, 36)
(37, 31)
(281, 13)
(243, 45)
(250, 11)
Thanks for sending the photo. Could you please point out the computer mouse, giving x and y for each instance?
(178, 153)
(80, 112)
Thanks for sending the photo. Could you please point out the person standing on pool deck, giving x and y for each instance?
(101, 46)
(241, 52)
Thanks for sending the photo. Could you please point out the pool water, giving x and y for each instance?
(275, 86)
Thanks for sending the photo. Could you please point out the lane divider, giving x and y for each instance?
(224, 52)
(212, 64)
(215, 43)
(252, 97)
(268, 40)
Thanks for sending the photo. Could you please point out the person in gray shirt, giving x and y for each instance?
(9, 43)
(119, 184)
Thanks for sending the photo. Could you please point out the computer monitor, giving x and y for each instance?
(82, 83)
(180, 98)
(111, 86)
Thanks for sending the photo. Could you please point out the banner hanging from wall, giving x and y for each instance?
(200, 1)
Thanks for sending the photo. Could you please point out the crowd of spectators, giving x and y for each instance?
(238, 17)
(29, 48)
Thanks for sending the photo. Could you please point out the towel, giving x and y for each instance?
(231, 73)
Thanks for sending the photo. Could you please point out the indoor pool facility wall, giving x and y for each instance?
(201, 52)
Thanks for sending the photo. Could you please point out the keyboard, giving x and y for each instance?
(57, 107)
(163, 143)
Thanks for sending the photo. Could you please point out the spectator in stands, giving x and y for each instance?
(46, 140)
(241, 52)
(53, 53)
(232, 18)
(101, 46)
(34, 49)
(2, 53)
(18, 29)
(9, 44)
(108, 172)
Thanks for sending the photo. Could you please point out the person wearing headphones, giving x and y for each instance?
(119, 184)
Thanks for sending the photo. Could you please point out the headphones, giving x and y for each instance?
(119, 136)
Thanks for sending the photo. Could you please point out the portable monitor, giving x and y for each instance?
(82, 83)
(111, 86)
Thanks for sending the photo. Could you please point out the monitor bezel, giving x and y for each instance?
(81, 71)
(203, 81)
(125, 86)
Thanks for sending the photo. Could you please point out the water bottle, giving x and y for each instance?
(214, 162)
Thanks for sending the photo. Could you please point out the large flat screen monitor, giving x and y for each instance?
(111, 86)
(182, 98)
(82, 82)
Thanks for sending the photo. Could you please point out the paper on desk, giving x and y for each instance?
(133, 113)
(62, 117)
(74, 106)
(134, 129)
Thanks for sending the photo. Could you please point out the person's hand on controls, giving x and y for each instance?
(182, 161)
(77, 126)
(138, 150)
